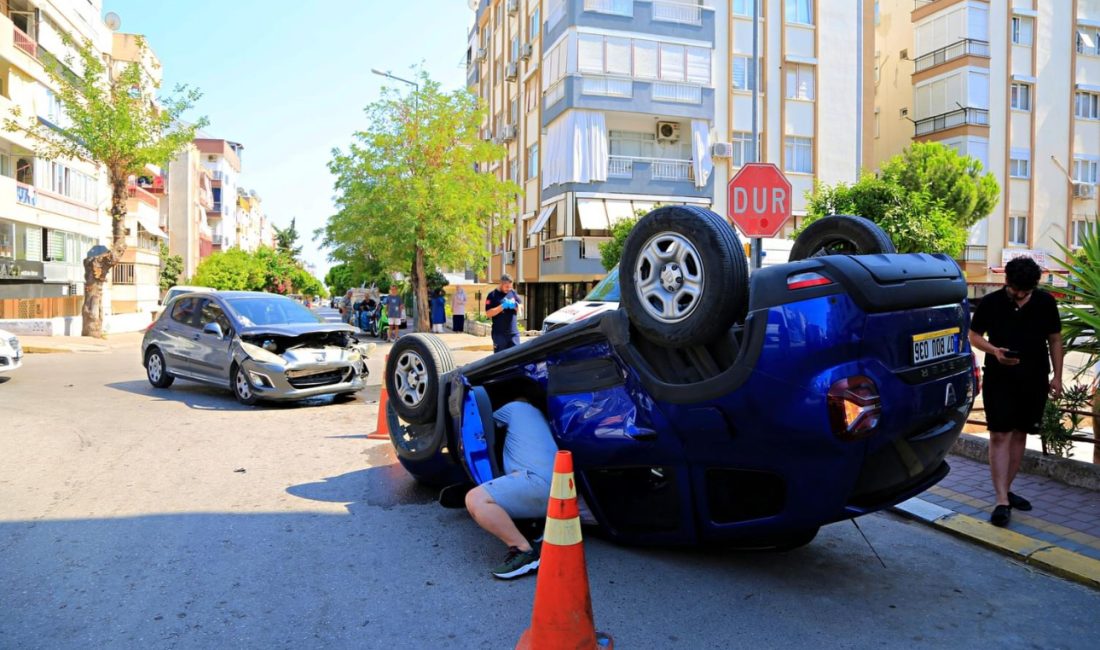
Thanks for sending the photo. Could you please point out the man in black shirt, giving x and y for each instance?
(1024, 342)
(501, 305)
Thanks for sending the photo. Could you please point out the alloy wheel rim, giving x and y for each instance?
(411, 378)
(154, 367)
(836, 247)
(244, 389)
(668, 277)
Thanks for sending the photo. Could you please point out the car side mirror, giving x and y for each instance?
(214, 329)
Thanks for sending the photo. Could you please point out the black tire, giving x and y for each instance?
(657, 300)
(841, 234)
(413, 368)
(156, 369)
(242, 388)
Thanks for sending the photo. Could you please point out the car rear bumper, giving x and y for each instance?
(301, 381)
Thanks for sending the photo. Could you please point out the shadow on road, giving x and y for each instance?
(209, 398)
(384, 484)
(4, 379)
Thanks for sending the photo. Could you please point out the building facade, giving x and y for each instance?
(222, 159)
(190, 198)
(1014, 84)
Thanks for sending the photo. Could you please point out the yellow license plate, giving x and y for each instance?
(935, 345)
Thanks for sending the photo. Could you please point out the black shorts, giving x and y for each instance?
(1014, 404)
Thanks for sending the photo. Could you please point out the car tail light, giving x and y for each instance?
(854, 407)
(806, 280)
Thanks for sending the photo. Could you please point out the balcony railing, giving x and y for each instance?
(216, 206)
(677, 12)
(620, 167)
(616, 7)
(951, 119)
(135, 192)
(123, 273)
(607, 86)
(218, 240)
(974, 254)
(553, 250)
(965, 47)
(660, 169)
(666, 91)
(24, 42)
(554, 94)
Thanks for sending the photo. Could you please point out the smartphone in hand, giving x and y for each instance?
(1012, 354)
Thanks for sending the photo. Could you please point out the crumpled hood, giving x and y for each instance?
(295, 329)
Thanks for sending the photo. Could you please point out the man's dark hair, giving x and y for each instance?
(1022, 273)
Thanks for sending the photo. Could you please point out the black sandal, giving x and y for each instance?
(1018, 502)
(1001, 516)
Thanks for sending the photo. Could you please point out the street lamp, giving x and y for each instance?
(416, 88)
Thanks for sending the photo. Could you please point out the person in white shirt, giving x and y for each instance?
(458, 310)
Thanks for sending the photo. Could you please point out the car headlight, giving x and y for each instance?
(262, 355)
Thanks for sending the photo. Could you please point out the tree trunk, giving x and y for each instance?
(420, 282)
(98, 269)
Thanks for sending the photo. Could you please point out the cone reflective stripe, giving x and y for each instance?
(562, 615)
(382, 429)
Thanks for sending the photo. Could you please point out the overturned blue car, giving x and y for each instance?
(711, 408)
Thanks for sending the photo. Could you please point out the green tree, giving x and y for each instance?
(231, 270)
(611, 251)
(110, 117)
(956, 180)
(286, 238)
(408, 187)
(171, 266)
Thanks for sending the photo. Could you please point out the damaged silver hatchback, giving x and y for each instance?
(259, 345)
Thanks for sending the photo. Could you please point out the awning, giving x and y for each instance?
(151, 227)
(619, 211)
(544, 217)
(593, 214)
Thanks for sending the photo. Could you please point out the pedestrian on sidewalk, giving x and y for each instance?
(502, 305)
(395, 309)
(439, 311)
(458, 310)
(1024, 343)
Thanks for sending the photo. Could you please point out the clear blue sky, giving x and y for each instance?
(289, 80)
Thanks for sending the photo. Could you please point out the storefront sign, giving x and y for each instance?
(21, 270)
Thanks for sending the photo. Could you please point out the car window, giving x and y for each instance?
(183, 311)
(607, 290)
(270, 310)
(212, 313)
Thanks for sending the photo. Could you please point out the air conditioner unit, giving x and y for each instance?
(721, 150)
(511, 71)
(513, 6)
(668, 132)
(509, 257)
(481, 54)
(526, 51)
(904, 54)
(1084, 191)
(508, 132)
(212, 158)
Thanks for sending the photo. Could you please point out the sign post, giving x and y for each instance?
(759, 203)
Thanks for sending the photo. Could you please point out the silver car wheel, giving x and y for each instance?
(244, 389)
(156, 370)
(668, 277)
(411, 378)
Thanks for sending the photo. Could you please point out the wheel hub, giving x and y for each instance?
(672, 278)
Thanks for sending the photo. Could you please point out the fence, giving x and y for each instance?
(41, 307)
(677, 12)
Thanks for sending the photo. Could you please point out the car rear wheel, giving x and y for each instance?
(157, 370)
(413, 368)
(841, 234)
(242, 388)
(684, 276)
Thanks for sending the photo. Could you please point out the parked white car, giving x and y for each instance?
(182, 289)
(11, 353)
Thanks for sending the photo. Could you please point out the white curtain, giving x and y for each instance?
(576, 149)
(700, 152)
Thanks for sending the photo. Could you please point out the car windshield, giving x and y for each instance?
(270, 310)
(608, 288)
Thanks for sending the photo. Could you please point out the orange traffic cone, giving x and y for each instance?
(562, 616)
(382, 430)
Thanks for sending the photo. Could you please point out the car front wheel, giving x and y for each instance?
(157, 370)
(242, 388)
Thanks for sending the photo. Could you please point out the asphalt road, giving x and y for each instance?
(135, 517)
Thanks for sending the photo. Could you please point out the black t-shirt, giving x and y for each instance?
(504, 323)
(1023, 329)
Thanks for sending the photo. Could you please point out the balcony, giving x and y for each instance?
(974, 254)
(665, 91)
(600, 92)
(952, 119)
(613, 7)
(215, 206)
(660, 169)
(684, 13)
(44, 200)
(571, 258)
(605, 86)
(26, 194)
(965, 47)
(143, 196)
(24, 42)
(218, 240)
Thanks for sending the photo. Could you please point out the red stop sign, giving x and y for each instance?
(759, 200)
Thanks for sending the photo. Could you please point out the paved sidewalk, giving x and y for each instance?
(50, 344)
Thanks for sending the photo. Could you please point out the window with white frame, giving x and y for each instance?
(799, 11)
(1084, 170)
(1017, 230)
(513, 171)
(1081, 229)
(1020, 98)
(1088, 41)
(798, 155)
(642, 59)
(532, 161)
(534, 26)
(744, 76)
(800, 80)
(1023, 30)
(615, 7)
(1019, 163)
(743, 7)
(638, 144)
(1086, 105)
(742, 149)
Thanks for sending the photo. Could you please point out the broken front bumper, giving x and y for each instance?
(307, 373)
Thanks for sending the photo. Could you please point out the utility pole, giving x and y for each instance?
(756, 243)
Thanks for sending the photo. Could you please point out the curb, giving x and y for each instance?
(34, 349)
(1070, 472)
(1044, 555)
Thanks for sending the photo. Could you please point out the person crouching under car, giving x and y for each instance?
(524, 490)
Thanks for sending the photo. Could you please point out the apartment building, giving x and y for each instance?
(190, 199)
(1015, 84)
(50, 210)
(223, 160)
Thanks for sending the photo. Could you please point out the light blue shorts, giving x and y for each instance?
(523, 494)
